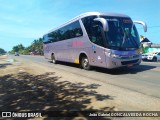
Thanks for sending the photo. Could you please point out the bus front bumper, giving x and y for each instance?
(116, 63)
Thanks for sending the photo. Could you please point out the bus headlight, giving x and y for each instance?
(115, 56)
(110, 54)
(138, 51)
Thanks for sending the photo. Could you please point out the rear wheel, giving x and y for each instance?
(85, 63)
(53, 59)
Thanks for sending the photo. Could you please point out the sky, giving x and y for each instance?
(22, 21)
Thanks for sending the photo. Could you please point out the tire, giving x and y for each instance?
(154, 59)
(53, 59)
(85, 63)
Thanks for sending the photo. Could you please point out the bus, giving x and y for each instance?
(108, 40)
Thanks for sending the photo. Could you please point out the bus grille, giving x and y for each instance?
(127, 57)
(129, 62)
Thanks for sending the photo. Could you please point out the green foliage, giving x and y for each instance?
(145, 50)
(18, 48)
(36, 48)
(2, 51)
(27, 51)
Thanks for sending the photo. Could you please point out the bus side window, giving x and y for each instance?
(97, 35)
(88, 21)
(93, 30)
(46, 39)
(69, 31)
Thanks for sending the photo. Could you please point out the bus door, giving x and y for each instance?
(97, 55)
(97, 51)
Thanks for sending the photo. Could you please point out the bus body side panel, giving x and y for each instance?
(70, 49)
(97, 55)
(46, 51)
(60, 50)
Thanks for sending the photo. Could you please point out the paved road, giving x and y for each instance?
(144, 78)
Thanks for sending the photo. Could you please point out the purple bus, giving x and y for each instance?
(107, 40)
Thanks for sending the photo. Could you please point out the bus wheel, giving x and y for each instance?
(53, 59)
(85, 63)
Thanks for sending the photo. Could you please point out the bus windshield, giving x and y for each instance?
(122, 34)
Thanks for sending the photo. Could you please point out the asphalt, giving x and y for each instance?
(144, 79)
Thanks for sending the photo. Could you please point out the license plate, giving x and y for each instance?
(130, 65)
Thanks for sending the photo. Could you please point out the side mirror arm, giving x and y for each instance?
(104, 23)
(142, 23)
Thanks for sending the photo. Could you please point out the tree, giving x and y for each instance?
(2, 51)
(40, 46)
(18, 48)
(27, 50)
(36, 48)
(15, 49)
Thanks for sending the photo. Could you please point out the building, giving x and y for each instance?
(152, 48)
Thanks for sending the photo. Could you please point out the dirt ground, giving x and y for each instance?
(29, 87)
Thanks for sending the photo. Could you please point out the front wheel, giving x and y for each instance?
(85, 63)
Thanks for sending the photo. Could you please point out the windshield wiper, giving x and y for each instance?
(124, 39)
(135, 44)
(130, 38)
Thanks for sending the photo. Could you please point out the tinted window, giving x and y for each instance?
(46, 39)
(94, 30)
(74, 30)
(88, 23)
(53, 36)
(69, 31)
(122, 33)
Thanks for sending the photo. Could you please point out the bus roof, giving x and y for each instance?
(101, 13)
(89, 14)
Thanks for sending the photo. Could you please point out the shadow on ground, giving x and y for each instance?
(117, 71)
(27, 92)
(4, 65)
(125, 70)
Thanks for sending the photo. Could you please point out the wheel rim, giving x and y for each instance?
(85, 62)
(53, 59)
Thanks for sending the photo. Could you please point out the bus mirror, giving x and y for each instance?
(104, 23)
(142, 23)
